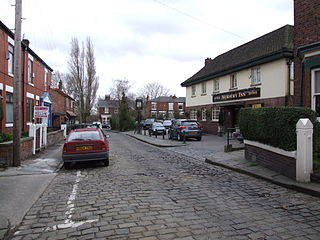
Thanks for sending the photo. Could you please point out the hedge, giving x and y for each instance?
(275, 126)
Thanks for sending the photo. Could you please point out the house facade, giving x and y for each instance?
(166, 107)
(256, 74)
(307, 53)
(35, 80)
(107, 107)
(63, 107)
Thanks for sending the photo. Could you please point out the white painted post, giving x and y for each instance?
(304, 129)
(40, 127)
(64, 128)
(44, 135)
(32, 133)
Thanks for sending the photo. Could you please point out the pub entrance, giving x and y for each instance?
(231, 115)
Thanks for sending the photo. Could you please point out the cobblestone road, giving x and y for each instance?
(150, 193)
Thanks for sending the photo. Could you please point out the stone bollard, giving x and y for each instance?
(304, 161)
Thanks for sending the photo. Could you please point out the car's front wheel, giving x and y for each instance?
(106, 162)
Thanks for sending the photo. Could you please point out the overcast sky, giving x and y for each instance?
(163, 41)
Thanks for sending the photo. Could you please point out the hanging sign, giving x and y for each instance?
(41, 112)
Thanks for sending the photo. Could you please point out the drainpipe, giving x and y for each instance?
(302, 85)
(289, 63)
(23, 88)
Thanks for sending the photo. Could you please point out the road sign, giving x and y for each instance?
(41, 112)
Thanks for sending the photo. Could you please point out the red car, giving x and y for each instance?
(88, 144)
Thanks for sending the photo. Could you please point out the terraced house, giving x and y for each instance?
(256, 74)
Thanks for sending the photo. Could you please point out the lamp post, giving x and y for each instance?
(139, 103)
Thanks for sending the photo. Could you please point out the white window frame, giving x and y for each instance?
(170, 106)
(313, 87)
(233, 81)
(204, 114)
(10, 60)
(153, 105)
(216, 85)
(30, 71)
(193, 90)
(215, 114)
(193, 114)
(204, 88)
(255, 76)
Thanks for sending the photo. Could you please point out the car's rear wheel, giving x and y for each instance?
(180, 137)
(67, 165)
(199, 138)
(106, 162)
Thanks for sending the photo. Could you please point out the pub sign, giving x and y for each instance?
(235, 95)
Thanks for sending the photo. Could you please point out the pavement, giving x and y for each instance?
(21, 186)
(234, 161)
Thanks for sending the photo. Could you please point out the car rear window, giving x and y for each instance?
(189, 124)
(84, 136)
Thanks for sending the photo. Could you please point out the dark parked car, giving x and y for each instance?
(191, 129)
(87, 144)
(148, 123)
(106, 126)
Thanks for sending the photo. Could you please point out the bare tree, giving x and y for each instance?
(119, 87)
(81, 80)
(154, 90)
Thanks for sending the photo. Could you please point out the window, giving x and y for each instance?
(215, 114)
(30, 71)
(233, 81)
(216, 85)
(193, 90)
(29, 109)
(180, 106)
(45, 79)
(154, 113)
(170, 106)
(255, 76)
(10, 60)
(203, 88)
(153, 106)
(9, 107)
(193, 114)
(315, 75)
(204, 114)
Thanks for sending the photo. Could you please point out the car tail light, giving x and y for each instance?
(200, 127)
(65, 148)
(104, 146)
(183, 127)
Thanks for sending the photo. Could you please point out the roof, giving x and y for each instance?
(169, 99)
(27, 48)
(269, 47)
(109, 103)
(62, 93)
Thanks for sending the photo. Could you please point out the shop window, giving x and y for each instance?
(204, 114)
(153, 106)
(233, 81)
(9, 107)
(193, 90)
(10, 60)
(255, 76)
(204, 88)
(216, 85)
(193, 114)
(215, 114)
(30, 71)
(29, 109)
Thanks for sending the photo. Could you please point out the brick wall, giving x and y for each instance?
(276, 162)
(55, 137)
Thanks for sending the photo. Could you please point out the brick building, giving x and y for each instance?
(307, 53)
(107, 107)
(256, 74)
(63, 107)
(36, 79)
(166, 107)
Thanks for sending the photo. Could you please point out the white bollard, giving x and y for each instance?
(44, 135)
(304, 161)
(32, 133)
(64, 128)
(40, 127)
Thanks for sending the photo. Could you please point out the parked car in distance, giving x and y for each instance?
(87, 144)
(191, 129)
(167, 123)
(158, 128)
(106, 126)
(148, 123)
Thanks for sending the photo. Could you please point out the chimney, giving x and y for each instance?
(207, 61)
(26, 42)
(174, 96)
(107, 97)
(60, 85)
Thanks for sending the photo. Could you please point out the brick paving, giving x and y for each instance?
(152, 193)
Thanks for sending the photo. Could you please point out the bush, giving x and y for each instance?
(5, 137)
(275, 126)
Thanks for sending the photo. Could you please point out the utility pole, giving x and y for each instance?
(17, 86)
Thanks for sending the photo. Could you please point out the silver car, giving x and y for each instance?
(158, 128)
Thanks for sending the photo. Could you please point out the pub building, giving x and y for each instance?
(256, 74)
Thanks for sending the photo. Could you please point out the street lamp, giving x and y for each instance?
(139, 104)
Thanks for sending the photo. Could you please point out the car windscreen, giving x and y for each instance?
(157, 124)
(84, 136)
(189, 124)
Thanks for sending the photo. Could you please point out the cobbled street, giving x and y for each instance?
(154, 193)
